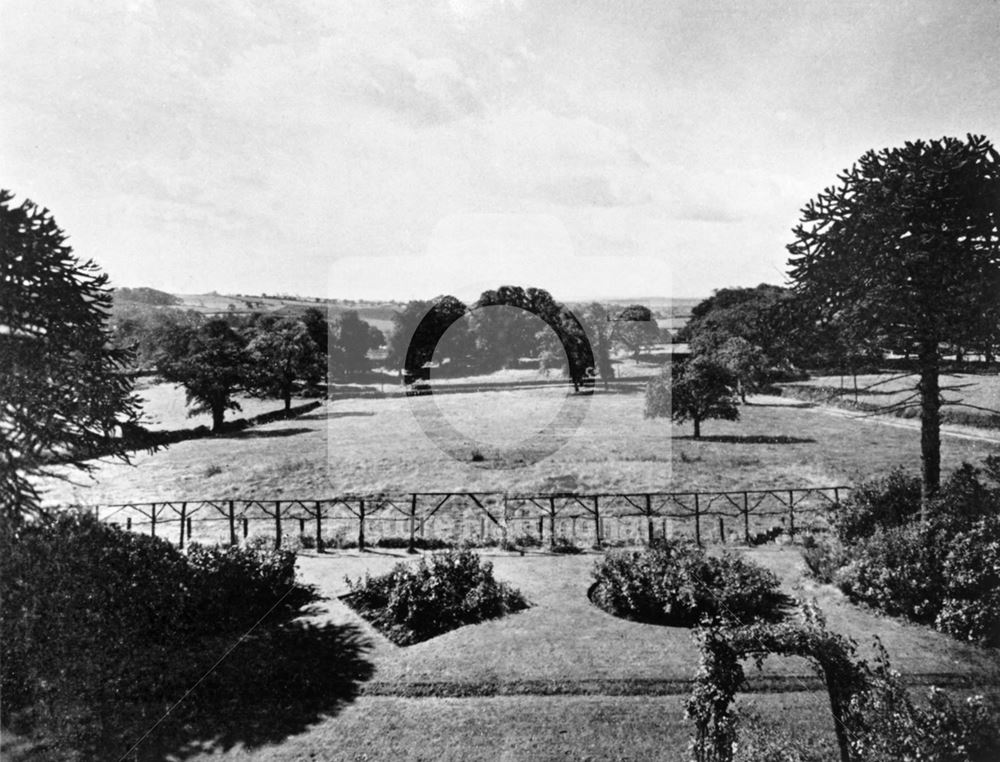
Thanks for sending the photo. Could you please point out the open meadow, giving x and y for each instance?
(367, 445)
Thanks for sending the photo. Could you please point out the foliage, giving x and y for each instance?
(417, 329)
(889, 501)
(971, 608)
(63, 389)
(874, 718)
(888, 725)
(93, 616)
(565, 546)
(279, 356)
(211, 363)
(824, 558)
(676, 583)
(414, 602)
(145, 295)
(695, 390)
(352, 338)
(745, 361)
(904, 249)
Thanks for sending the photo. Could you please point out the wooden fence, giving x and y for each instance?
(485, 517)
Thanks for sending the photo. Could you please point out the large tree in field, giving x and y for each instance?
(696, 390)
(281, 355)
(63, 391)
(907, 245)
(352, 338)
(210, 362)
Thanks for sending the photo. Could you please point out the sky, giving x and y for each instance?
(397, 150)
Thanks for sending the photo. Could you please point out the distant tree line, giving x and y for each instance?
(511, 324)
(261, 354)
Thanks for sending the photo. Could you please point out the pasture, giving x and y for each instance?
(360, 445)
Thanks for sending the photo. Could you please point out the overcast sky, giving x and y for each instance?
(404, 150)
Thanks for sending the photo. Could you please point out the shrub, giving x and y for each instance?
(899, 570)
(420, 543)
(824, 558)
(93, 617)
(565, 546)
(887, 502)
(971, 609)
(414, 602)
(676, 583)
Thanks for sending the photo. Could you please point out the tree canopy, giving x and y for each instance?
(279, 356)
(906, 247)
(64, 392)
(695, 390)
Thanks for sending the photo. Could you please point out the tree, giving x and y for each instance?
(634, 327)
(353, 338)
(696, 390)
(314, 319)
(210, 362)
(279, 357)
(744, 360)
(421, 325)
(906, 244)
(64, 392)
(599, 327)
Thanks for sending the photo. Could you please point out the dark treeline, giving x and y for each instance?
(512, 326)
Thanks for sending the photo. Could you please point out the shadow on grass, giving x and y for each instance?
(277, 682)
(753, 439)
(331, 415)
(268, 433)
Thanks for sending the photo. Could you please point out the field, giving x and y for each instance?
(379, 445)
(981, 390)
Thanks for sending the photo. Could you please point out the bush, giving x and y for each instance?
(899, 570)
(676, 583)
(886, 502)
(93, 617)
(420, 543)
(414, 602)
(824, 558)
(565, 546)
(971, 609)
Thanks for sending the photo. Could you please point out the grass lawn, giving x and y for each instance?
(979, 389)
(378, 445)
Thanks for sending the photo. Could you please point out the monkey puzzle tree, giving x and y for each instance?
(695, 390)
(907, 245)
(63, 388)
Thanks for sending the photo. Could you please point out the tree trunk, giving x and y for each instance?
(930, 424)
(697, 428)
(218, 413)
(288, 401)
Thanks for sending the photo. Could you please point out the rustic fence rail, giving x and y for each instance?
(594, 518)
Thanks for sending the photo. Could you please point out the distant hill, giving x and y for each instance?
(145, 295)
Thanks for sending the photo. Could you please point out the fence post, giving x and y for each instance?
(277, 524)
(791, 513)
(128, 523)
(836, 496)
(552, 522)
(152, 520)
(183, 514)
(361, 525)
(412, 546)
(189, 528)
(722, 531)
(319, 527)
(232, 524)
(697, 520)
(246, 527)
(597, 523)
(746, 518)
(649, 519)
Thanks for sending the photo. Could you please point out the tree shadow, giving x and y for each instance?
(331, 415)
(753, 439)
(278, 681)
(268, 433)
